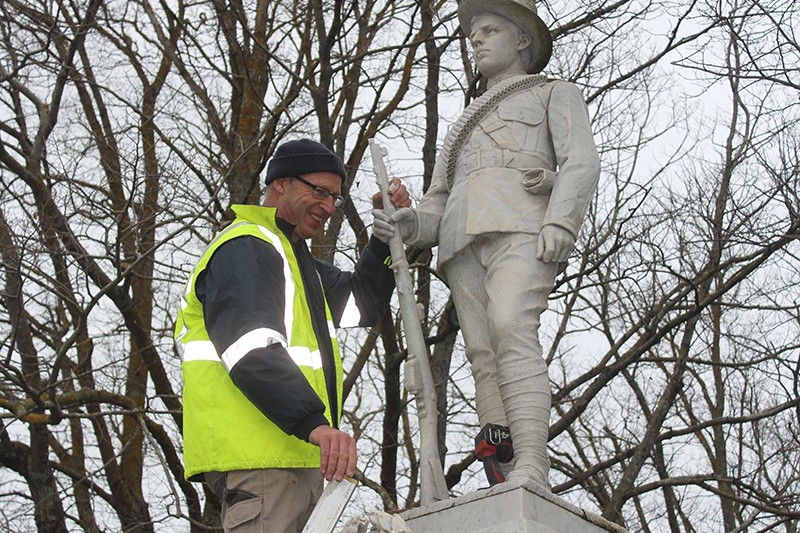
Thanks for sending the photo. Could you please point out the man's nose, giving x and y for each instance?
(327, 204)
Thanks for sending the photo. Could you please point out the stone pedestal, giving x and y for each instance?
(507, 508)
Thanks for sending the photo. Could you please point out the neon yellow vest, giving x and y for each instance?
(222, 430)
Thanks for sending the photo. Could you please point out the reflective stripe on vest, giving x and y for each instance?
(198, 351)
(259, 338)
(289, 282)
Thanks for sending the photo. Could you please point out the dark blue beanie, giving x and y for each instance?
(295, 158)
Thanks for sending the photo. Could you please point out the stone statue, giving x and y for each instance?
(510, 189)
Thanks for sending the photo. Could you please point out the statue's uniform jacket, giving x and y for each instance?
(546, 127)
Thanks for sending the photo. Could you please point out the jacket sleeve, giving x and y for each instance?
(361, 297)
(242, 291)
(431, 208)
(576, 155)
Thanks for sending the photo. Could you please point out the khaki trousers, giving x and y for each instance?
(500, 291)
(274, 500)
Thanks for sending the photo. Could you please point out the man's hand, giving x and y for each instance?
(398, 194)
(337, 452)
(555, 244)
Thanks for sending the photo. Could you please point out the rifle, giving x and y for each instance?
(419, 380)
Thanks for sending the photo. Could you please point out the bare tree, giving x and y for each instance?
(127, 129)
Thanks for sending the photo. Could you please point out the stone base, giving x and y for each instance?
(507, 508)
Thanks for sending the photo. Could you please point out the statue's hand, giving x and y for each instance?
(404, 220)
(555, 244)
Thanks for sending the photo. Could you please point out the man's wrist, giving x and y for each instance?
(304, 428)
(556, 225)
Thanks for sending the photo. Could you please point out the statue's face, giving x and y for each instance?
(496, 44)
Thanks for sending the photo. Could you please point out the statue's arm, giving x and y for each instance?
(430, 209)
(576, 155)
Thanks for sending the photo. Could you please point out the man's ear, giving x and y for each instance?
(280, 185)
(275, 191)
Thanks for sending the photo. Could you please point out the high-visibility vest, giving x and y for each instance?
(222, 429)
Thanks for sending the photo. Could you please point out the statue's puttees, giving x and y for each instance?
(509, 191)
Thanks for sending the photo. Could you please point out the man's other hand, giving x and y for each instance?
(398, 194)
(337, 452)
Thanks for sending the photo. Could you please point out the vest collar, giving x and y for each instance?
(264, 216)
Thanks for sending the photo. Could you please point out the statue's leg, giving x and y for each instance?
(466, 278)
(517, 285)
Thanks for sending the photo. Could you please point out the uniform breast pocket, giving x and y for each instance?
(526, 122)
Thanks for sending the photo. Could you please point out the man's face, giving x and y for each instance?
(298, 205)
(496, 44)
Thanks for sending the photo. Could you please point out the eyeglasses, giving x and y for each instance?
(321, 193)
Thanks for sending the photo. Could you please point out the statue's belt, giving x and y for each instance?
(488, 157)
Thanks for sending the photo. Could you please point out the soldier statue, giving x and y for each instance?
(509, 191)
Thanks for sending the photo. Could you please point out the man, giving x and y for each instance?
(261, 366)
(508, 194)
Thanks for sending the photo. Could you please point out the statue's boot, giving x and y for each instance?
(525, 390)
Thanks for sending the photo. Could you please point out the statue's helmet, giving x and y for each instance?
(520, 12)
